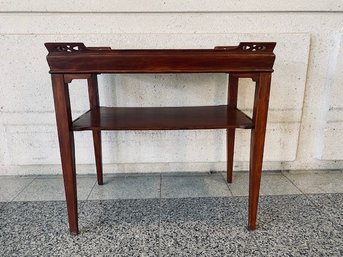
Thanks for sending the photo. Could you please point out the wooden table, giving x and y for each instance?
(70, 61)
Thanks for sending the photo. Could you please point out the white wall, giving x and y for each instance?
(305, 126)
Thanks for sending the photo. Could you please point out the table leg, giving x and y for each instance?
(260, 113)
(67, 151)
(230, 132)
(94, 102)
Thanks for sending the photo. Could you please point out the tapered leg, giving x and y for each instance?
(257, 144)
(98, 155)
(230, 143)
(94, 102)
(230, 133)
(66, 141)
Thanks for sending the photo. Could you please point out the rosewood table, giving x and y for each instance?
(69, 61)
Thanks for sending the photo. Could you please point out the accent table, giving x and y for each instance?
(69, 61)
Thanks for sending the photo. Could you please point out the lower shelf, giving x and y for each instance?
(162, 118)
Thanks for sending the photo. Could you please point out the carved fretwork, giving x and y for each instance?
(65, 47)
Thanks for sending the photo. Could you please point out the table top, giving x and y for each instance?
(74, 57)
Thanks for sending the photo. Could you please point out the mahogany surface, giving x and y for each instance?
(80, 59)
(70, 60)
(93, 95)
(162, 118)
(67, 150)
(231, 132)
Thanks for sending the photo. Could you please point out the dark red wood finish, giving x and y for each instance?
(94, 104)
(66, 141)
(70, 61)
(162, 118)
(230, 137)
(76, 58)
(260, 113)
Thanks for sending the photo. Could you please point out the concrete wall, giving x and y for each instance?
(305, 127)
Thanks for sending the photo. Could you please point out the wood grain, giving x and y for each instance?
(73, 60)
(162, 118)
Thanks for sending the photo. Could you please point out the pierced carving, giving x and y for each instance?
(253, 47)
(65, 47)
(68, 48)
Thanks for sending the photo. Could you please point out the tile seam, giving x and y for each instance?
(16, 196)
(90, 191)
(302, 192)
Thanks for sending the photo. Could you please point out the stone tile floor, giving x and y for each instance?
(301, 214)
